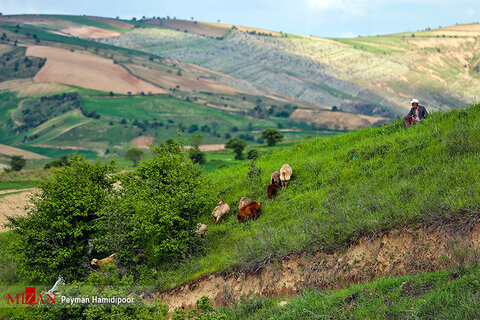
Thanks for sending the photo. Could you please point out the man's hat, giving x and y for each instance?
(414, 100)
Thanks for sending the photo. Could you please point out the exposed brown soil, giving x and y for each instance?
(209, 147)
(142, 142)
(393, 253)
(86, 70)
(13, 203)
(171, 80)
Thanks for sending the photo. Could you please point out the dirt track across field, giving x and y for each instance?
(13, 203)
(83, 69)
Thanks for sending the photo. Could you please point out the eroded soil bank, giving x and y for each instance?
(393, 253)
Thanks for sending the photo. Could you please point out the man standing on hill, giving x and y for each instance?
(416, 114)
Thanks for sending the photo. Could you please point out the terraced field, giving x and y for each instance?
(231, 81)
(362, 74)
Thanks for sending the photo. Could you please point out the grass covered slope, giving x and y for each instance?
(347, 186)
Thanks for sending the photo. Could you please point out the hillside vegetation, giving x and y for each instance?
(344, 187)
(440, 295)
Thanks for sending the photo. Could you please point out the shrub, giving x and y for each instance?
(61, 162)
(272, 136)
(197, 156)
(134, 155)
(237, 145)
(17, 163)
(57, 228)
(156, 209)
(252, 154)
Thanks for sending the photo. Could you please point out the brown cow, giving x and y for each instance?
(102, 263)
(243, 202)
(251, 210)
(272, 190)
(275, 178)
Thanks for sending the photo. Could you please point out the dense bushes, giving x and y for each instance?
(56, 231)
(154, 212)
(149, 217)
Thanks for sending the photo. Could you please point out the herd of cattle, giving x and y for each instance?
(248, 209)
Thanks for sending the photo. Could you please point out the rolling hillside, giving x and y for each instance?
(372, 75)
(51, 56)
(392, 202)
(387, 216)
(246, 78)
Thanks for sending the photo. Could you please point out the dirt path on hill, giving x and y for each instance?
(209, 147)
(12, 203)
(393, 253)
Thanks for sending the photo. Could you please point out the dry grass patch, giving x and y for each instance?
(201, 28)
(39, 89)
(9, 84)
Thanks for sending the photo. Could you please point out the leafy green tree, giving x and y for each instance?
(61, 162)
(56, 231)
(197, 156)
(134, 155)
(272, 136)
(196, 140)
(156, 209)
(17, 163)
(237, 145)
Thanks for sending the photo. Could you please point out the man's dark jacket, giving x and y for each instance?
(422, 112)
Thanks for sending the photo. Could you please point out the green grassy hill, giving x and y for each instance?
(345, 187)
(267, 80)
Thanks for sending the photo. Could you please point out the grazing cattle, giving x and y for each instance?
(201, 229)
(221, 210)
(243, 202)
(103, 263)
(272, 190)
(251, 210)
(285, 175)
(275, 178)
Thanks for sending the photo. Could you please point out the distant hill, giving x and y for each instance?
(153, 77)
